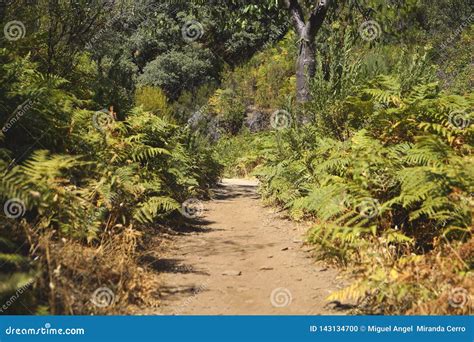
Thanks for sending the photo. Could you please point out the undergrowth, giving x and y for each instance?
(384, 169)
(76, 208)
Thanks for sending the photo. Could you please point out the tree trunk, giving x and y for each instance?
(306, 62)
(305, 70)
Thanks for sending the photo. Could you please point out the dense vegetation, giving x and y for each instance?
(80, 183)
(114, 113)
(380, 159)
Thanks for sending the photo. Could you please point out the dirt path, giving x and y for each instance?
(243, 260)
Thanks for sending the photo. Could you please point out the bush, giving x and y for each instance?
(176, 71)
(153, 100)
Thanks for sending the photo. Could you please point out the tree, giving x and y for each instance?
(306, 31)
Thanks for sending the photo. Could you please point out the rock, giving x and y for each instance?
(285, 249)
(270, 256)
(231, 273)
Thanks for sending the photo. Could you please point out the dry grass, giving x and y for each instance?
(73, 271)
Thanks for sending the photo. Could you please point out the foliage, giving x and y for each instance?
(262, 85)
(241, 154)
(384, 171)
(94, 186)
(153, 100)
(400, 188)
(178, 71)
(380, 160)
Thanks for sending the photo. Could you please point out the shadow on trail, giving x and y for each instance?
(170, 265)
(183, 292)
(191, 226)
(223, 193)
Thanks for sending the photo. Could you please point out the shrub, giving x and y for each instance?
(153, 100)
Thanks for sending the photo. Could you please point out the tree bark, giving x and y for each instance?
(306, 31)
(305, 70)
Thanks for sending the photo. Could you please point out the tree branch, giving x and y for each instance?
(317, 17)
(297, 15)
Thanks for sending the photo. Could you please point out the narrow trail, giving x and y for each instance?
(242, 259)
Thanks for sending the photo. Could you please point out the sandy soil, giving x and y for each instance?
(243, 259)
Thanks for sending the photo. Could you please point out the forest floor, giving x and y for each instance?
(242, 258)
